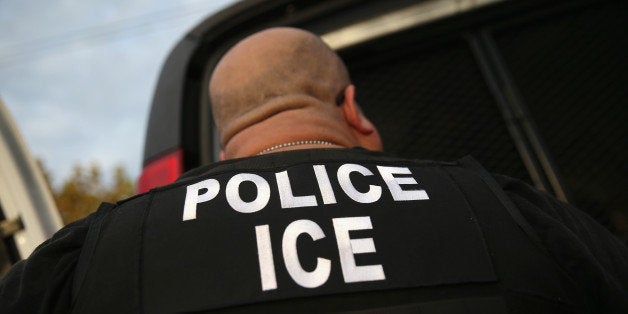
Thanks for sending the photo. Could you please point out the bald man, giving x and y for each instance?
(285, 89)
(305, 215)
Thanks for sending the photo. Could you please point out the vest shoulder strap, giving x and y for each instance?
(470, 163)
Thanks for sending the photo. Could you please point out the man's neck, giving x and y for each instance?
(289, 131)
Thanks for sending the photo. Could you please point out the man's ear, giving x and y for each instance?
(352, 113)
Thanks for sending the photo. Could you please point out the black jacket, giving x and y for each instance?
(324, 231)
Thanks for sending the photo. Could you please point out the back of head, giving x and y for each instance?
(273, 71)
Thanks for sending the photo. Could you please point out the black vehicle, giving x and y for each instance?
(532, 89)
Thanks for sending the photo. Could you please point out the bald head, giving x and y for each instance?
(270, 72)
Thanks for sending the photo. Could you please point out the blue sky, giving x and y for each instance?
(78, 75)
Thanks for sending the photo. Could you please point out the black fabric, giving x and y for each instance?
(42, 283)
(87, 250)
(532, 280)
(456, 306)
(111, 283)
(222, 250)
(503, 198)
(479, 243)
(592, 257)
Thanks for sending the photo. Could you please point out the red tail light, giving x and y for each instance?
(161, 171)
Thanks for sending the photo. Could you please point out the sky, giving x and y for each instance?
(78, 76)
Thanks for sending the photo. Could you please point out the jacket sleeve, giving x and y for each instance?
(587, 251)
(42, 283)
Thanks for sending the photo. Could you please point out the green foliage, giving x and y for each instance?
(82, 192)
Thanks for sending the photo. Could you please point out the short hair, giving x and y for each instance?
(290, 62)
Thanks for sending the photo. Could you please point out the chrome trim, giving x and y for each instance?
(421, 13)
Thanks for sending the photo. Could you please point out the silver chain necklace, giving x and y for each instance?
(297, 143)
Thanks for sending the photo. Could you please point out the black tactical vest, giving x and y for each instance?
(321, 231)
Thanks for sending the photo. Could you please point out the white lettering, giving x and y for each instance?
(193, 198)
(233, 193)
(374, 192)
(324, 185)
(347, 247)
(265, 256)
(288, 200)
(394, 184)
(320, 274)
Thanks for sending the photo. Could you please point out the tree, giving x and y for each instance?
(82, 193)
